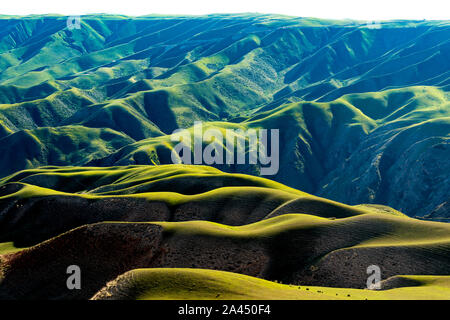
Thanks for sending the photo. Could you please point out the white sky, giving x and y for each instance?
(335, 9)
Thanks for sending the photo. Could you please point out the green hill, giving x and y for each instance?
(190, 284)
(341, 92)
(195, 217)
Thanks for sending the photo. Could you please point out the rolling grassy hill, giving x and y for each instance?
(178, 284)
(195, 217)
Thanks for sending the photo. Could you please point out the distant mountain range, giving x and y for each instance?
(363, 108)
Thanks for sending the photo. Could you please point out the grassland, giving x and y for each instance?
(190, 284)
(345, 96)
(86, 174)
(197, 217)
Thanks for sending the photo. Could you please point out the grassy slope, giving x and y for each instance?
(124, 179)
(406, 148)
(8, 247)
(316, 234)
(385, 232)
(69, 145)
(191, 284)
(98, 194)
